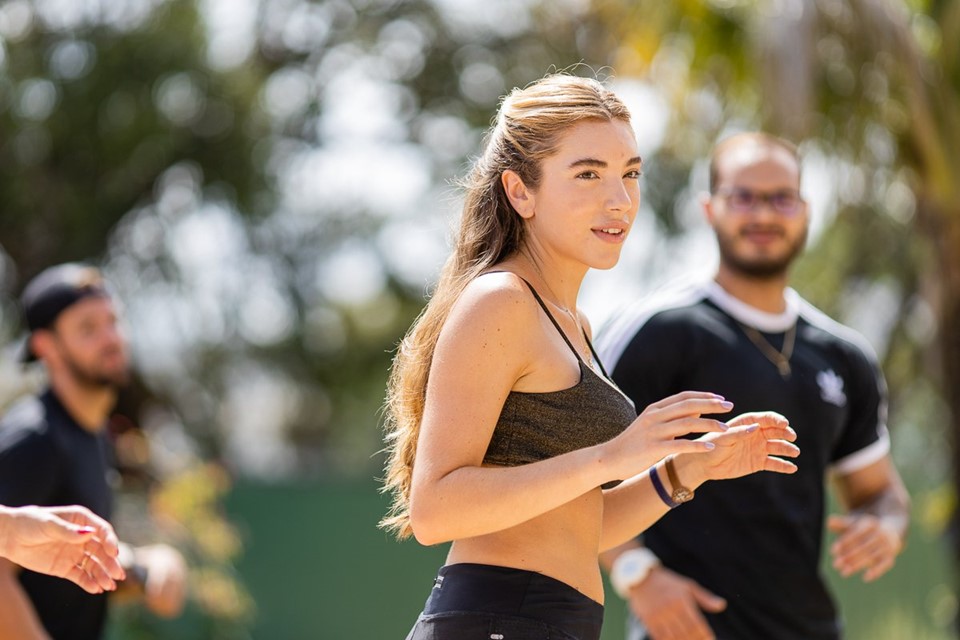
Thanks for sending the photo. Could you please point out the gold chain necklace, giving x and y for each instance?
(573, 316)
(781, 358)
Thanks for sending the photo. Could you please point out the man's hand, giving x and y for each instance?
(670, 605)
(165, 584)
(865, 543)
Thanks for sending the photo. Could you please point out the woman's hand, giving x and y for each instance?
(656, 432)
(751, 444)
(68, 542)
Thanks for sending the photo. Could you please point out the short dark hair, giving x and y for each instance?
(758, 138)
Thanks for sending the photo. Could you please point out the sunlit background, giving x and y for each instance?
(270, 187)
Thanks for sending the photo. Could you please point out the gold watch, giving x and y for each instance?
(680, 492)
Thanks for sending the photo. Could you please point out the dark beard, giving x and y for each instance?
(94, 379)
(759, 268)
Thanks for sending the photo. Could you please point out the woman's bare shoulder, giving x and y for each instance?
(497, 302)
(498, 292)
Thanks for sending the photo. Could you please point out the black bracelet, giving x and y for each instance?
(661, 490)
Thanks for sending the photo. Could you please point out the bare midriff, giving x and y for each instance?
(562, 544)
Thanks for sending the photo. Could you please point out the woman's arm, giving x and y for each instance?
(18, 618)
(494, 341)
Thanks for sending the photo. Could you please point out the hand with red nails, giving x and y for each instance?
(67, 542)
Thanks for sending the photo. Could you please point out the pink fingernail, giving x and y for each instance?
(85, 530)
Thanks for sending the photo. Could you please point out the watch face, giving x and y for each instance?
(682, 495)
(631, 565)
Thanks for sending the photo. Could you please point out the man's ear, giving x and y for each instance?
(41, 344)
(706, 203)
(519, 195)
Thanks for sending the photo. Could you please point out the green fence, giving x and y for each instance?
(318, 568)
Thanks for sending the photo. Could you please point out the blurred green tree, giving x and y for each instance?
(94, 106)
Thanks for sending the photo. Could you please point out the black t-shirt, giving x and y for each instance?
(47, 459)
(756, 540)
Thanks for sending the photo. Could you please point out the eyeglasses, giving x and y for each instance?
(742, 200)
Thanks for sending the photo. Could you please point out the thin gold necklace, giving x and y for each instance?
(573, 315)
(781, 358)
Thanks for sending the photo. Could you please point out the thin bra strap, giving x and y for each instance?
(586, 339)
(550, 315)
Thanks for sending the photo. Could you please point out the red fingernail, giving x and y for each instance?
(84, 530)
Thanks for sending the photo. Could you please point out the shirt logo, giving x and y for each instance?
(831, 388)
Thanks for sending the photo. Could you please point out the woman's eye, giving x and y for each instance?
(587, 175)
(633, 175)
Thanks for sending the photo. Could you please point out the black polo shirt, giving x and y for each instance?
(47, 459)
(756, 540)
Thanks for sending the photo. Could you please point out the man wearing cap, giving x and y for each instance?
(54, 451)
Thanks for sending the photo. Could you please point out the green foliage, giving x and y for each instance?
(92, 117)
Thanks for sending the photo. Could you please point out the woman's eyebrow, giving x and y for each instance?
(600, 164)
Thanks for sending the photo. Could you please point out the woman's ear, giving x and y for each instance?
(519, 195)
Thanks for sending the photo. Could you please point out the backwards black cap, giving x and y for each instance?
(53, 291)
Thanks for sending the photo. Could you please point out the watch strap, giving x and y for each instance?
(661, 490)
(680, 493)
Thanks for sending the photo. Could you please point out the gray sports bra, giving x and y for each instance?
(537, 426)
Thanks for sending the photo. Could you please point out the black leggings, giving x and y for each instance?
(485, 602)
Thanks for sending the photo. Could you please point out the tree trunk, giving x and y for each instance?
(943, 227)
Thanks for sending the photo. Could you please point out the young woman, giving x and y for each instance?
(505, 435)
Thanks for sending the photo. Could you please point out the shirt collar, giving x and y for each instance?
(748, 315)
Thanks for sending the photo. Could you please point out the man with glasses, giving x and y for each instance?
(741, 560)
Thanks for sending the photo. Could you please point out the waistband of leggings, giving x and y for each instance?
(511, 591)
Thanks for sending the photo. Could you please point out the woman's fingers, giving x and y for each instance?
(768, 421)
(80, 577)
(84, 517)
(684, 396)
(683, 426)
(690, 408)
(782, 448)
(735, 434)
(688, 446)
(779, 465)
(104, 552)
(783, 436)
(99, 574)
(90, 575)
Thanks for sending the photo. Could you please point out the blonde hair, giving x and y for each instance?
(527, 130)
